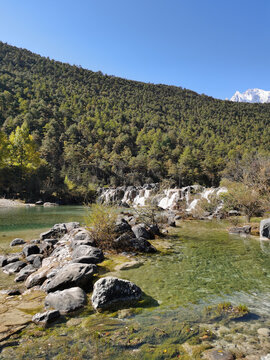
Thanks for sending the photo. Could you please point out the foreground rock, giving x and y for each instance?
(265, 229)
(67, 300)
(72, 275)
(46, 317)
(112, 293)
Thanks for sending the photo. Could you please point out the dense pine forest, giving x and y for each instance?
(65, 130)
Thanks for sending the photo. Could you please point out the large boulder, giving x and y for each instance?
(129, 243)
(30, 249)
(265, 229)
(82, 237)
(14, 267)
(87, 254)
(112, 293)
(67, 300)
(141, 231)
(72, 275)
(17, 241)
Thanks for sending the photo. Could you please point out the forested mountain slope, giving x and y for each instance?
(99, 129)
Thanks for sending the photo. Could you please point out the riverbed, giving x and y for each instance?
(203, 266)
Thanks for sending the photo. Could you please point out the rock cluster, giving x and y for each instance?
(63, 263)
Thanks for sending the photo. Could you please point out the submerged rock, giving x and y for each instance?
(264, 332)
(72, 275)
(67, 300)
(17, 241)
(46, 317)
(111, 292)
(218, 355)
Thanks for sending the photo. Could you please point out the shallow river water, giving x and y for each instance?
(179, 316)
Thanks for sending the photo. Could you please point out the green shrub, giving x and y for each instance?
(100, 221)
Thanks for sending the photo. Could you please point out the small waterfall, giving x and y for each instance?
(186, 198)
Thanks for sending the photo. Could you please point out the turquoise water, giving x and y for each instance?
(205, 266)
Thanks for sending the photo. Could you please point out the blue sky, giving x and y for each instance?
(213, 47)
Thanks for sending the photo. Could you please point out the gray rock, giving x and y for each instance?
(72, 275)
(17, 241)
(92, 255)
(83, 237)
(51, 241)
(37, 278)
(49, 204)
(55, 232)
(127, 242)
(72, 225)
(240, 230)
(39, 202)
(154, 229)
(264, 332)
(3, 261)
(122, 227)
(141, 231)
(67, 300)
(32, 258)
(30, 250)
(46, 248)
(13, 268)
(112, 293)
(24, 273)
(37, 263)
(265, 229)
(218, 355)
(46, 317)
(13, 258)
(14, 292)
(35, 241)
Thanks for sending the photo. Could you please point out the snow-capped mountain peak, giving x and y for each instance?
(252, 96)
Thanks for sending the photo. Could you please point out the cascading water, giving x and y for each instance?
(186, 198)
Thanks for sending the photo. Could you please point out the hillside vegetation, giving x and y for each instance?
(77, 129)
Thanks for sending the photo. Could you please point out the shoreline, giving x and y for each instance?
(4, 203)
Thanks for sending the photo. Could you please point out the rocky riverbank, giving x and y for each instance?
(63, 274)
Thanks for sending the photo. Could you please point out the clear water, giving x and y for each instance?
(205, 266)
